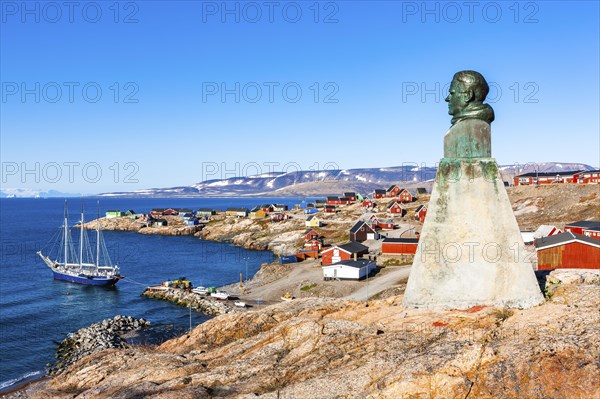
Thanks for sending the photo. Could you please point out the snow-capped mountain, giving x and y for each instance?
(31, 193)
(327, 181)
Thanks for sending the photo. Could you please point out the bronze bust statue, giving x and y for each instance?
(467, 93)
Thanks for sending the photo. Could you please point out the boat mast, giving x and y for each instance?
(98, 237)
(81, 238)
(65, 232)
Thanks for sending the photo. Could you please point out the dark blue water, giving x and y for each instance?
(36, 311)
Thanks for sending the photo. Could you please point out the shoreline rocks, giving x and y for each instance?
(105, 334)
(186, 298)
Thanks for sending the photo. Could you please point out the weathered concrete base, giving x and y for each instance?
(471, 251)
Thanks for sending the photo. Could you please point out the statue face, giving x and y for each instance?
(458, 99)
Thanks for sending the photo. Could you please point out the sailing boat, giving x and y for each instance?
(68, 266)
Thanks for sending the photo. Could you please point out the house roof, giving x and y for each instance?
(400, 240)
(358, 264)
(358, 225)
(113, 210)
(344, 199)
(350, 194)
(309, 230)
(392, 187)
(311, 218)
(543, 231)
(237, 210)
(205, 210)
(565, 238)
(420, 207)
(320, 201)
(378, 191)
(256, 209)
(590, 171)
(353, 247)
(586, 224)
(421, 190)
(350, 247)
(332, 198)
(393, 203)
(546, 174)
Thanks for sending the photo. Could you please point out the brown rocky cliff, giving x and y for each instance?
(328, 348)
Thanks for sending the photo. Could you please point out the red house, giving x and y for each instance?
(314, 244)
(351, 196)
(346, 251)
(393, 191)
(541, 178)
(569, 251)
(395, 208)
(344, 201)
(399, 246)
(333, 200)
(588, 177)
(379, 193)
(385, 224)
(329, 209)
(420, 213)
(367, 203)
(405, 196)
(278, 217)
(310, 234)
(588, 228)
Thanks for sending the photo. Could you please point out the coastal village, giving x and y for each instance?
(337, 245)
(336, 290)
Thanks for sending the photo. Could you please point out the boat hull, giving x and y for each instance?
(92, 280)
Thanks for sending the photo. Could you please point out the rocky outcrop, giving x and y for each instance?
(99, 336)
(186, 298)
(331, 348)
(175, 226)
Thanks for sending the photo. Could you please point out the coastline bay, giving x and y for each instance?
(36, 311)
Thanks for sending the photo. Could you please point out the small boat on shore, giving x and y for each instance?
(200, 290)
(240, 304)
(287, 297)
(222, 295)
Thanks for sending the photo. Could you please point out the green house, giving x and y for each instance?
(114, 214)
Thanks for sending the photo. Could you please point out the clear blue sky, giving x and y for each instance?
(168, 63)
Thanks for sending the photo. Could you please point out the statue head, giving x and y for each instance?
(465, 100)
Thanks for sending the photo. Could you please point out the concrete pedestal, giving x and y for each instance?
(470, 250)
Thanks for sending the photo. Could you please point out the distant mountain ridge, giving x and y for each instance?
(313, 183)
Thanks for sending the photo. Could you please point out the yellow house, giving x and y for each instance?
(257, 213)
(313, 221)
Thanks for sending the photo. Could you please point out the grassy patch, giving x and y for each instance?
(306, 288)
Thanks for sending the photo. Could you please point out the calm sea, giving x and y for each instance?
(37, 312)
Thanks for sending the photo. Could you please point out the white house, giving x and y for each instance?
(348, 270)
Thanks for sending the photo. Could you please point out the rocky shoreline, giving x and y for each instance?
(331, 348)
(108, 333)
(186, 298)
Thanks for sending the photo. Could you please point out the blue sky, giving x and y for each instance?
(111, 96)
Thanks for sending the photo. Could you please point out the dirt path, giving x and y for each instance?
(380, 283)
